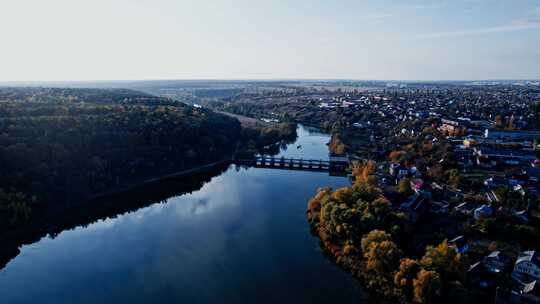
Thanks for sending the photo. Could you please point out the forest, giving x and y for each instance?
(61, 147)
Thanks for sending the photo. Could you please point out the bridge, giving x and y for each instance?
(293, 164)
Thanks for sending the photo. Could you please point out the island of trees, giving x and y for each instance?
(364, 234)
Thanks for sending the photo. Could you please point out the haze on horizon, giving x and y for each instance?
(240, 39)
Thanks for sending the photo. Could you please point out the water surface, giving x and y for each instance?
(310, 144)
(242, 238)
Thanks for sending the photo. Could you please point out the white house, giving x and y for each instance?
(483, 212)
(527, 267)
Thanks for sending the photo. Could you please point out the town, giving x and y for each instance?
(461, 161)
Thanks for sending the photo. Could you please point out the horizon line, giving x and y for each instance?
(262, 80)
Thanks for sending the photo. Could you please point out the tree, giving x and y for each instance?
(511, 123)
(427, 287)
(336, 146)
(499, 123)
(375, 236)
(343, 195)
(404, 187)
(381, 257)
(404, 278)
(453, 177)
(380, 207)
(314, 205)
(362, 172)
(13, 208)
(444, 260)
(396, 155)
(436, 172)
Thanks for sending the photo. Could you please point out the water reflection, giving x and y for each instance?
(310, 144)
(242, 238)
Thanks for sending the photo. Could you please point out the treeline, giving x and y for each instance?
(59, 151)
(74, 95)
(268, 139)
(310, 114)
(363, 233)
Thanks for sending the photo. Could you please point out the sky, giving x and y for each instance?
(59, 40)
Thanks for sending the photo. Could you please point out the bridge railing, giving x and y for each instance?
(288, 160)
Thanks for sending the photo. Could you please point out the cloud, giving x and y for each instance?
(516, 25)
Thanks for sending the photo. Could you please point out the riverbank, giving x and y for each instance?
(109, 204)
(56, 220)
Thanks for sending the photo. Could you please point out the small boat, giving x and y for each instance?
(299, 146)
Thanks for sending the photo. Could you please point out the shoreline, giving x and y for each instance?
(180, 174)
(100, 206)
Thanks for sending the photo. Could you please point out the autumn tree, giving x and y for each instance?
(381, 257)
(362, 172)
(404, 278)
(314, 204)
(396, 155)
(445, 260)
(427, 287)
(499, 122)
(336, 146)
(343, 195)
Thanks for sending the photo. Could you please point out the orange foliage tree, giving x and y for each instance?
(427, 287)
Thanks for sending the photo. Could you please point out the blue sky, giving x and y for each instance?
(245, 39)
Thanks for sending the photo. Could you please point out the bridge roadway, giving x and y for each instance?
(287, 163)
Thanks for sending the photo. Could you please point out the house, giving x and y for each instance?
(496, 182)
(531, 292)
(512, 135)
(469, 142)
(420, 187)
(527, 267)
(492, 196)
(485, 162)
(485, 155)
(478, 276)
(533, 173)
(497, 262)
(415, 172)
(439, 207)
(528, 293)
(522, 216)
(398, 171)
(414, 206)
(460, 244)
(449, 126)
(466, 208)
(483, 211)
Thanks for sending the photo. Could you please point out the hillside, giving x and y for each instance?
(60, 147)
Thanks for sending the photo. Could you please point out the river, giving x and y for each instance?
(242, 238)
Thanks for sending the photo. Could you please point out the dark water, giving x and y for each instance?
(242, 238)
